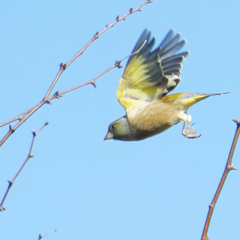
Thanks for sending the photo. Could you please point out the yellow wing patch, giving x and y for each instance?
(135, 84)
(136, 73)
(151, 74)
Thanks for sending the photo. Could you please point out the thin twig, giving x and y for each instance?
(30, 155)
(92, 81)
(46, 99)
(42, 236)
(97, 34)
(19, 117)
(229, 166)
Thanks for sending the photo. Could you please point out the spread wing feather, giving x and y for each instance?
(150, 74)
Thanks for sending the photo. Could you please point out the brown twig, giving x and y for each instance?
(92, 81)
(229, 166)
(97, 34)
(46, 99)
(30, 155)
(42, 236)
(19, 117)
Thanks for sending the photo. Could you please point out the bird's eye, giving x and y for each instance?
(112, 127)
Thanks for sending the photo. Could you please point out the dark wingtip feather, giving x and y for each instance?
(164, 60)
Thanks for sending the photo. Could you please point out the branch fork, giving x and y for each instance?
(30, 155)
(47, 99)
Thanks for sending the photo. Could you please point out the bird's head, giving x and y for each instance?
(119, 130)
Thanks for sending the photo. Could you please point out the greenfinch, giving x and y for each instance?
(147, 79)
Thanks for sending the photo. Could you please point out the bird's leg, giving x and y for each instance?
(189, 132)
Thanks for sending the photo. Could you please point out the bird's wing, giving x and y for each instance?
(150, 74)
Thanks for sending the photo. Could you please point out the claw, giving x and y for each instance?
(189, 132)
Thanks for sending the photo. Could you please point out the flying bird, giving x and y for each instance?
(147, 79)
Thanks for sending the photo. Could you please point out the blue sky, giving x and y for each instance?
(87, 188)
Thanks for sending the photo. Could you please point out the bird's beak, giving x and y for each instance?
(109, 136)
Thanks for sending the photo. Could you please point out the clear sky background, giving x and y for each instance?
(87, 188)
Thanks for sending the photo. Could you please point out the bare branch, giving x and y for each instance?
(116, 64)
(42, 236)
(46, 99)
(19, 117)
(97, 35)
(30, 155)
(228, 168)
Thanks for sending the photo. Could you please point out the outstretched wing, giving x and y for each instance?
(150, 74)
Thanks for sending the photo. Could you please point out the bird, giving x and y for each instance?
(148, 77)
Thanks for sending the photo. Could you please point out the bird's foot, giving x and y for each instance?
(189, 131)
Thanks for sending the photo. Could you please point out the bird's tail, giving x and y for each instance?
(186, 99)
